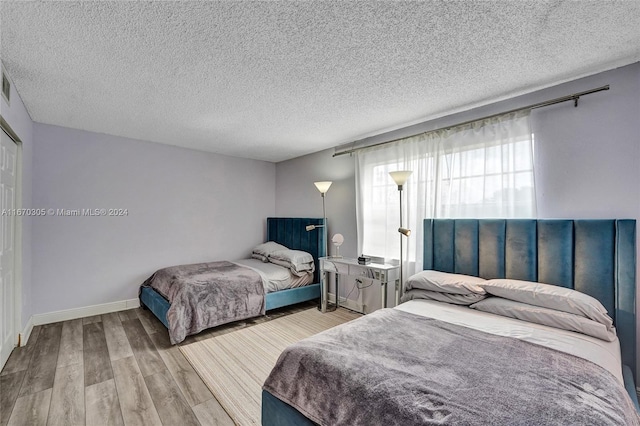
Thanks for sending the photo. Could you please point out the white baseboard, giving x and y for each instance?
(26, 332)
(347, 303)
(87, 311)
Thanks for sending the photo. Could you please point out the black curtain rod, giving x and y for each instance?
(574, 97)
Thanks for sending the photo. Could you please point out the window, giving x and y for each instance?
(477, 171)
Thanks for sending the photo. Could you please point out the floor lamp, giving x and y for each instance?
(323, 187)
(400, 178)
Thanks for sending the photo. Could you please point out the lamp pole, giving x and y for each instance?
(323, 187)
(400, 178)
(399, 285)
(324, 217)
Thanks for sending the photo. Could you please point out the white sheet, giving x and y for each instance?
(605, 354)
(275, 277)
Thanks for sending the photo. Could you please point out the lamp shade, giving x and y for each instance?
(323, 186)
(400, 177)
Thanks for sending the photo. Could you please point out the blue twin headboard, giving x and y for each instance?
(596, 257)
(291, 232)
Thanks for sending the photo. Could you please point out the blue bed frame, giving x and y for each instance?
(596, 257)
(287, 231)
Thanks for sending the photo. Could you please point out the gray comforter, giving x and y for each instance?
(396, 368)
(205, 295)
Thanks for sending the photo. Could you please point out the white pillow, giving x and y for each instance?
(445, 282)
(545, 316)
(265, 249)
(298, 261)
(264, 259)
(550, 296)
(455, 298)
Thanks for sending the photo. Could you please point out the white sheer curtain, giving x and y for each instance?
(475, 171)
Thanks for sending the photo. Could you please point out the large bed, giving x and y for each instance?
(429, 362)
(223, 292)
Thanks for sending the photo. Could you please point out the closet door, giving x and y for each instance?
(8, 152)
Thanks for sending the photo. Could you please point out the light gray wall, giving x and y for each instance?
(184, 206)
(587, 158)
(18, 118)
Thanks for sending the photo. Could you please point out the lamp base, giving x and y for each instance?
(330, 307)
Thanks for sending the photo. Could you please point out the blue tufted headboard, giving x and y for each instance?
(596, 257)
(291, 232)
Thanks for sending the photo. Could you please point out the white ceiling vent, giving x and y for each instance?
(6, 87)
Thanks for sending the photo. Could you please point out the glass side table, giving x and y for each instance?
(383, 272)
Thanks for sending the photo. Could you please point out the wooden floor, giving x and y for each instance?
(112, 369)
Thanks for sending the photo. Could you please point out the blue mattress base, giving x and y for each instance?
(278, 413)
(159, 305)
(156, 304)
(630, 385)
(278, 299)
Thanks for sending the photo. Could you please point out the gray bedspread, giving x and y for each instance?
(205, 295)
(396, 368)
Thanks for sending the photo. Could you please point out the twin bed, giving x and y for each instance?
(429, 362)
(190, 298)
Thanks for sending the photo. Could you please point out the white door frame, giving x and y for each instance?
(17, 260)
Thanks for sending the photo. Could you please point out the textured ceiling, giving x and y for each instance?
(275, 80)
